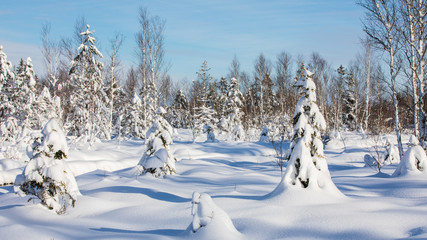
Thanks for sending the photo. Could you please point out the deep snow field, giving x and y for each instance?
(117, 204)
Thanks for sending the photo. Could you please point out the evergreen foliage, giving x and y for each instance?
(307, 167)
(87, 117)
(158, 159)
(179, 115)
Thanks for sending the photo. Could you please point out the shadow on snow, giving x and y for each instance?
(162, 196)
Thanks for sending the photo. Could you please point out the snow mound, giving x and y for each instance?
(210, 221)
(413, 162)
(8, 177)
(323, 192)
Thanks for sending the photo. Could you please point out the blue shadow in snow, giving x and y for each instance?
(163, 232)
(241, 197)
(10, 206)
(163, 196)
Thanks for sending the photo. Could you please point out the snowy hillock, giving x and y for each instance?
(210, 221)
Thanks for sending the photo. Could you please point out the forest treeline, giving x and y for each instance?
(380, 90)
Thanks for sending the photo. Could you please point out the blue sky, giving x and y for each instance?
(195, 31)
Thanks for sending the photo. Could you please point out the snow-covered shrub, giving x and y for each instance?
(157, 158)
(210, 221)
(414, 161)
(10, 130)
(264, 137)
(392, 153)
(47, 175)
(377, 151)
(239, 133)
(210, 133)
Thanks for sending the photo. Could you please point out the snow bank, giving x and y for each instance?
(210, 221)
(8, 177)
(413, 162)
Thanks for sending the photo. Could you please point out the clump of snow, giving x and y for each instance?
(47, 176)
(413, 162)
(158, 159)
(264, 137)
(413, 141)
(209, 220)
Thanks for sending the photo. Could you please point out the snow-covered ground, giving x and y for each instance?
(118, 204)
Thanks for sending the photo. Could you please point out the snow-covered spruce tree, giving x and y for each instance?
(23, 94)
(179, 116)
(158, 159)
(221, 104)
(264, 136)
(204, 113)
(45, 107)
(210, 133)
(232, 110)
(132, 122)
(307, 167)
(349, 102)
(209, 220)
(8, 123)
(150, 102)
(5, 69)
(88, 116)
(47, 176)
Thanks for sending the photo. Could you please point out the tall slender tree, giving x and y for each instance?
(87, 117)
(381, 26)
(151, 61)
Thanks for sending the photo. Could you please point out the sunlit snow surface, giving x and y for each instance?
(117, 204)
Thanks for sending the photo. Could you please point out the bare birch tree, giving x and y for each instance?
(51, 56)
(381, 25)
(112, 83)
(413, 31)
(150, 52)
